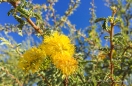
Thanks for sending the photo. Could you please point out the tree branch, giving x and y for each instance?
(66, 81)
(124, 75)
(11, 76)
(15, 4)
(111, 32)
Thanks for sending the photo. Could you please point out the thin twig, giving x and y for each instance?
(66, 15)
(46, 81)
(124, 75)
(125, 50)
(66, 81)
(11, 76)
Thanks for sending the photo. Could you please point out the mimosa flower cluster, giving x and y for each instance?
(32, 59)
(56, 46)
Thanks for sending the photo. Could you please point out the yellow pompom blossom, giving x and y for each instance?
(61, 50)
(31, 60)
(57, 43)
(65, 63)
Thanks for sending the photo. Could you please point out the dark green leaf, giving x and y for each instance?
(99, 19)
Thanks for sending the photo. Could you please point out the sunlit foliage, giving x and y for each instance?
(97, 55)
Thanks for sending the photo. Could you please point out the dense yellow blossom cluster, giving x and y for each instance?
(32, 59)
(65, 63)
(60, 49)
(56, 46)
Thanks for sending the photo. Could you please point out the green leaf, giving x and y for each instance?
(118, 35)
(106, 37)
(10, 12)
(3, 74)
(4, 41)
(7, 43)
(105, 25)
(99, 19)
(25, 13)
(38, 16)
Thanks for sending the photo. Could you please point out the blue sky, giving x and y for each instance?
(80, 17)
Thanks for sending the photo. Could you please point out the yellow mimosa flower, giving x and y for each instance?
(57, 43)
(31, 60)
(65, 63)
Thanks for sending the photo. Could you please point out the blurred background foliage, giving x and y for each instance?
(103, 49)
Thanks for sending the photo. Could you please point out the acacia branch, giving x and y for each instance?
(46, 81)
(125, 50)
(111, 32)
(111, 53)
(34, 26)
(15, 4)
(124, 75)
(11, 76)
(66, 81)
(69, 11)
